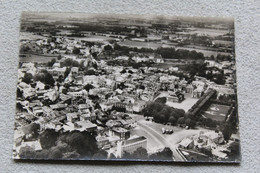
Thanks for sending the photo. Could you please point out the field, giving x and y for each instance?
(152, 45)
(30, 36)
(208, 31)
(216, 112)
(140, 44)
(38, 58)
(205, 52)
(93, 38)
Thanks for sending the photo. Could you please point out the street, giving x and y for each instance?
(156, 140)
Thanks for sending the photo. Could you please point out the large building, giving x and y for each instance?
(130, 145)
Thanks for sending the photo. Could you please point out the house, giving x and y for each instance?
(212, 63)
(158, 59)
(105, 106)
(131, 145)
(72, 117)
(85, 126)
(173, 69)
(77, 94)
(88, 116)
(121, 132)
(112, 123)
(28, 92)
(186, 143)
(57, 71)
(56, 65)
(102, 141)
(138, 106)
(58, 106)
(39, 85)
(189, 89)
(37, 111)
(198, 92)
(51, 95)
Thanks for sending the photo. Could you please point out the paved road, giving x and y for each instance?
(159, 137)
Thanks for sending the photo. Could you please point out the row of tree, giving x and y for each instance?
(44, 76)
(141, 154)
(67, 145)
(163, 113)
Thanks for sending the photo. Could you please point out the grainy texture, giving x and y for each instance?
(247, 32)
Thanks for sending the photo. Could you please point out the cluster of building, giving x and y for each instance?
(206, 144)
(99, 103)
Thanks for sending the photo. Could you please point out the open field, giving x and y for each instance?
(216, 112)
(93, 38)
(38, 58)
(139, 44)
(30, 36)
(208, 31)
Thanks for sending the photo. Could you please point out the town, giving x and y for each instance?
(105, 87)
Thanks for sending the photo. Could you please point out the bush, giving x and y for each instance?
(48, 138)
(161, 100)
(45, 77)
(181, 120)
(27, 153)
(28, 77)
(165, 154)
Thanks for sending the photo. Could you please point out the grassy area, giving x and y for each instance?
(216, 112)
(38, 58)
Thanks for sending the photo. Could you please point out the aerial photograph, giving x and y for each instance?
(126, 87)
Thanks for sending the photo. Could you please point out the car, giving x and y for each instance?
(163, 131)
(171, 131)
(167, 131)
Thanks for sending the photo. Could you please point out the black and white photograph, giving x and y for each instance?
(126, 87)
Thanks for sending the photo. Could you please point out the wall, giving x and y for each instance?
(247, 23)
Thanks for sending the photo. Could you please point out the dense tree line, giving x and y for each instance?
(45, 77)
(141, 153)
(163, 113)
(67, 145)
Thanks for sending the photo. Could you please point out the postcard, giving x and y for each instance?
(126, 87)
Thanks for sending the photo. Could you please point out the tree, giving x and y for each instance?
(226, 130)
(140, 153)
(48, 138)
(187, 121)
(90, 72)
(55, 153)
(100, 155)
(67, 72)
(70, 155)
(181, 120)
(45, 77)
(31, 130)
(172, 120)
(88, 87)
(165, 154)
(108, 47)
(28, 77)
(59, 57)
(76, 50)
(123, 71)
(50, 63)
(161, 100)
(27, 153)
(82, 142)
(19, 93)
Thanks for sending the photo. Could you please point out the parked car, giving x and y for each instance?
(167, 131)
